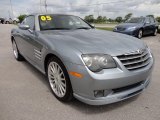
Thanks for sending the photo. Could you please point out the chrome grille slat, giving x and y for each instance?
(136, 56)
(139, 66)
(135, 60)
(138, 61)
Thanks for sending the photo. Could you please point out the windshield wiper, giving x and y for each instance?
(83, 28)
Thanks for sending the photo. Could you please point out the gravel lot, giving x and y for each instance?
(25, 94)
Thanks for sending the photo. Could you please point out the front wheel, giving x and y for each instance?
(140, 34)
(59, 80)
(155, 32)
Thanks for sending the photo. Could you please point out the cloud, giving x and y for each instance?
(109, 8)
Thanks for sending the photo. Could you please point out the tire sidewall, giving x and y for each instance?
(155, 32)
(139, 34)
(69, 93)
(19, 56)
(16, 57)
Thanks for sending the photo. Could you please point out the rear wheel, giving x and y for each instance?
(59, 80)
(140, 34)
(16, 53)
(155, 32)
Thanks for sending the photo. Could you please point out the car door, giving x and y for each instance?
(33, 43)
(19, 38)
(28, 37)
(147, 26)
(153, 25)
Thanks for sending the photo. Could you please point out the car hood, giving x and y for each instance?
(127, 25)
(95, 41)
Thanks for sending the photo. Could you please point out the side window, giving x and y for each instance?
(152, 20)
(24, 21)
(30, 20)
(147, 20)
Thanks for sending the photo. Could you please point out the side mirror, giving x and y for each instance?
(24, 27)
(93, 25)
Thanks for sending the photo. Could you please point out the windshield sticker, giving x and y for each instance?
(46, 18)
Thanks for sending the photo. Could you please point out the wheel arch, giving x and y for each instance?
(12, 38)
(141, 28)
(49, 56)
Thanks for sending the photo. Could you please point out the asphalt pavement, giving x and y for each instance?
(25, 93)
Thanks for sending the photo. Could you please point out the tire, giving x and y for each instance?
(155, 32)
(58, 79)
(16, 53)
(140, 34)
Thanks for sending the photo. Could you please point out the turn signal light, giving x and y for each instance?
(76, 74)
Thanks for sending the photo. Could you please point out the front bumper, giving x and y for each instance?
(115, 97)
(132, 33)
(108, 79)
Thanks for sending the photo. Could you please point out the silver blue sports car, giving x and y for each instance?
(97, 67)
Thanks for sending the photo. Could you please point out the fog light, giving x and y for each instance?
(102, 93)
(99, 93)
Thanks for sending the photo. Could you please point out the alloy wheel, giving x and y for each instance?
(57, 79)
(155, 32)
(140, 34)
(15, 50)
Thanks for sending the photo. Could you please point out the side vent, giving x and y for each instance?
(37, 54)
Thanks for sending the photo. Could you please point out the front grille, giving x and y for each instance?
(117, 90)
(121, 29)
(135, 60)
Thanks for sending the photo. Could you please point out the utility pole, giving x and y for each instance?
(40, 8)
(97, 7)
(11, 7)
(9, 14)
(46, 5)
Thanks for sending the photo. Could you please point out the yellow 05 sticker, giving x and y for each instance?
(46, 18)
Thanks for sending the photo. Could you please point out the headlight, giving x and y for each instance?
(115, 28)
(97, 62)
(131, 28)
(149, 51)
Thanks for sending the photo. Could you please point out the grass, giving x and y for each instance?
(105, 28)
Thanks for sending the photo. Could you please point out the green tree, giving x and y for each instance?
(119, 19)
(21, 17)
(128, 16)
(104, 19)
(99, 19)
(110, 20)
(158, 19)
(89, 18)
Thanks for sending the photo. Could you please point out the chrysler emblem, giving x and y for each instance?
(139, 51)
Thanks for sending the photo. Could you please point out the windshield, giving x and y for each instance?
(62, 22)
(136, 20)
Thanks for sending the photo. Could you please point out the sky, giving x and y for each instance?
(108, 8)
